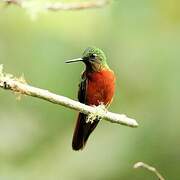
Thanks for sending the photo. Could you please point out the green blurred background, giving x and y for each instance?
(142, 41)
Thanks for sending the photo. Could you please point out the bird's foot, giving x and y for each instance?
(99, 110)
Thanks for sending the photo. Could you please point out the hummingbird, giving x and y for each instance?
(96, 87)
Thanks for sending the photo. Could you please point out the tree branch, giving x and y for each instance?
(149, 168)
(56, 6)
(8, 82)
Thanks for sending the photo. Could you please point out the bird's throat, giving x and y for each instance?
(96, 67)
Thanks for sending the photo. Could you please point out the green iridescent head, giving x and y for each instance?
(94, 54)
(94, 59)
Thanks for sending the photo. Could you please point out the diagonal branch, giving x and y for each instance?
(8, 82)
(149, 168)
(56, 6)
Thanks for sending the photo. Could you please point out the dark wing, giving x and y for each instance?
(82, 129)
(82, 89)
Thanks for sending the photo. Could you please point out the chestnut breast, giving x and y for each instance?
(100, 87)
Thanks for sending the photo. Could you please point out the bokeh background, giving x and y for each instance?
(142, 41)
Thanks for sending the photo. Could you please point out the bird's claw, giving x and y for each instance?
(97, 115)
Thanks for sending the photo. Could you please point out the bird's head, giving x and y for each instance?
(94, 59)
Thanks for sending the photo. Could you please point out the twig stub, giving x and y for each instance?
(149, 168)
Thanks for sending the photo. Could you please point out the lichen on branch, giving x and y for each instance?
(19, 85)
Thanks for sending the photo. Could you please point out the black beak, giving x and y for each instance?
(74, 60)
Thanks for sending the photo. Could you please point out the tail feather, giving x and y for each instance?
(82, 131)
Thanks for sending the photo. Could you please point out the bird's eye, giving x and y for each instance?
(93, 56)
